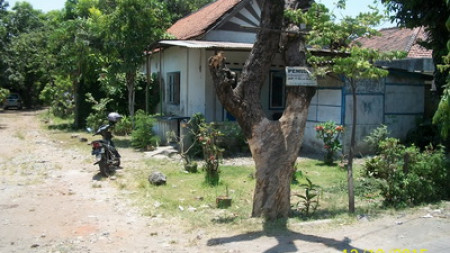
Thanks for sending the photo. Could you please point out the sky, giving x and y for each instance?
(353, 7)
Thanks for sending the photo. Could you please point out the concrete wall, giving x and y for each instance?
(405, 103)
(326, 105)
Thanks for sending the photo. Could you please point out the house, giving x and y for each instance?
(230, 26)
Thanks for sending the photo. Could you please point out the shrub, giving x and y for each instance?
(376, 136)
(124, 126)
(99, 113)
(194, 131)
(329, 133)
(407, 176)
(142, 136)
(58, 95)
(232, 139)
(212, 153)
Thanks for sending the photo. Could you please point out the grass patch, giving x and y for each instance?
(186, 200)
(189, 200)
(185, 195)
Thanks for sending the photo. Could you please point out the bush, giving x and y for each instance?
(232, 139)
(124, 126)
(212, 153)
(376, 136)
(58, 95)
(99, 112)
(408, 176)
(329, 133)
(142, 136)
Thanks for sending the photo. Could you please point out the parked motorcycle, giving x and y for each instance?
(106, 154)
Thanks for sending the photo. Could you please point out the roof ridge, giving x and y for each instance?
(197, 23)
(411, 41)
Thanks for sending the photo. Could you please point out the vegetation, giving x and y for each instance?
(82, 61)
(322, 187)
(187, 198)
(434, 16)
(329, 133)
(142, 136)
(212, 153)
(376, 136)
(310, 198)
(90, 46)
(408, 177)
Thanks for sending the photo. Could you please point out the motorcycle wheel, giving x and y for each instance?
(104, 168)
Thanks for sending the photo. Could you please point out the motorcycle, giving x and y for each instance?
(106, 155)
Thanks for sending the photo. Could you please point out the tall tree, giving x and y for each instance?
(181, 8)
(25, 56)
(349, 60)
(3, 39)
(71, 43)
(442, 115)
(274, 144)
(130, 28)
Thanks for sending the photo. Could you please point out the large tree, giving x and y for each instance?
(129, 29)
(71, 43)
(274, 144)
(24, 55)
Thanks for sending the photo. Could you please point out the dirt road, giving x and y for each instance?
(51, 202)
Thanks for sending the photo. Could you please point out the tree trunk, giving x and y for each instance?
(130, 79)
(77, 103)
(351, 195)
(274, 144)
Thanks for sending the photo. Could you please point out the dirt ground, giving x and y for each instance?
(50, 201)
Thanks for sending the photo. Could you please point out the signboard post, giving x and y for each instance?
(299, 76)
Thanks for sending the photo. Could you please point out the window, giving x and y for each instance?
(173, 87)
(277, 91)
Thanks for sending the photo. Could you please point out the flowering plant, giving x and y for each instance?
(329, 132)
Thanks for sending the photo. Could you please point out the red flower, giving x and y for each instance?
(339, 128)
(319, 128)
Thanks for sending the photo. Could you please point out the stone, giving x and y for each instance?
(157, 178)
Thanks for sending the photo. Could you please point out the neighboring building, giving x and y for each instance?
(230, 26)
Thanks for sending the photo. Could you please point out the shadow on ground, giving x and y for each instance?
(285, 239)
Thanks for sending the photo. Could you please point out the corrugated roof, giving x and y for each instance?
(198, 22)
(399, 39)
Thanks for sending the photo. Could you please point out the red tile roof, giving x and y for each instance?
(399, 39)
(198, 22)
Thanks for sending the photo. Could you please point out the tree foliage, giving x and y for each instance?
(83, 43)
(442, 115)
(348, 59)
(129, 30)
(180, 8)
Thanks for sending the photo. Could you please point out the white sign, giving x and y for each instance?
(299, 76)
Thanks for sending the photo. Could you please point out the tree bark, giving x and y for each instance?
(130, 79)
(274, 144)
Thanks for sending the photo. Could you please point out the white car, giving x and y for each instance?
(13, 100)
